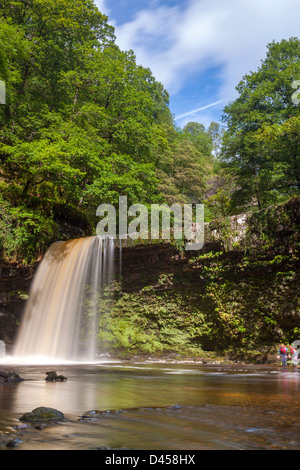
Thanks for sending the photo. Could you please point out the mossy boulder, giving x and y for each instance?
(42, 414)
(53, 377)
(9, 376)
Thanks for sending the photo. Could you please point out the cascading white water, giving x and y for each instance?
(60, 320)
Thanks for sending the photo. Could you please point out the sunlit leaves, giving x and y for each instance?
(83, 123)
(260, 142)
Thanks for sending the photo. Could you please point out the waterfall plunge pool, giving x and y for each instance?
(158, 406)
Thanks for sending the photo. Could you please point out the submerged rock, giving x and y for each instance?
(174, 407)
(42, 414)
(14, 442)
(40, 426)
(94, 414)
(21, 427)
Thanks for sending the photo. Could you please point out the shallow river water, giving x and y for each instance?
(156, 406)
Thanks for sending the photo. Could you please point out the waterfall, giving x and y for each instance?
(60, 321)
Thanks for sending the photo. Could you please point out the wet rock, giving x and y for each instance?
(9, 376)
(174, 407)
(95, 414)
(253, 430)
(89, 415)
(14, 442)
(61, 378)
(42, 414)
(20, 427)
(40, 426)
(53, 377)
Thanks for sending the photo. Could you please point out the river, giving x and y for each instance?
(161, 406)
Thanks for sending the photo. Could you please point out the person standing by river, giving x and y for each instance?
(283, 354)
(294, 353)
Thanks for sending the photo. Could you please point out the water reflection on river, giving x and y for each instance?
(218, 407)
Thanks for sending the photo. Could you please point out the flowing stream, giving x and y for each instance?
(138, 406)
(156, 406)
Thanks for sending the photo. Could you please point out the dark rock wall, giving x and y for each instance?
(15, 282)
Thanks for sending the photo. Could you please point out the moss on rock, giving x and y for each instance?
(42, 414)
(244, 299)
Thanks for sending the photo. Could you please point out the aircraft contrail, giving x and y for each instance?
(199, 109)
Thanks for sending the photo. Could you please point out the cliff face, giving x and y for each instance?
(239, 293)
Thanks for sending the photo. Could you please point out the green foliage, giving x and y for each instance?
(265, 227)
(24, 234)
(150, 321)
(185, 166)
(245, 303)
(81, 119)
(262, 131)
(83, 123)
(218, 301)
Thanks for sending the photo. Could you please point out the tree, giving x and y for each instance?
(215, 133)
(265, 173)
(186, 164)
(195, 132)
(82, 123)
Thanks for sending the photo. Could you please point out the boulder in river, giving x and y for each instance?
(53, 377)
(9, 376)
(42, 414)
(14, 442)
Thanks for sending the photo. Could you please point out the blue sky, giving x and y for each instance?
(200, 49)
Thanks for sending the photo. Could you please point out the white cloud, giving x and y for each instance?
(102, 6)
(151, 36)
(175, 42)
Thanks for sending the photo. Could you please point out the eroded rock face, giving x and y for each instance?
(42, 414)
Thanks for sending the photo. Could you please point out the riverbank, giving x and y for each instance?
(206, 360)
(256, 359)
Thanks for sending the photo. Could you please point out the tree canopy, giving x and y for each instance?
(82, 125)
(261, 139)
